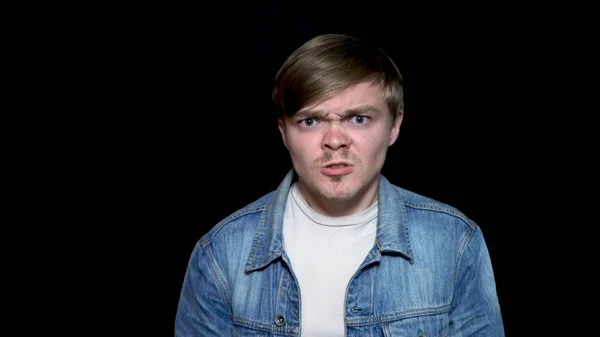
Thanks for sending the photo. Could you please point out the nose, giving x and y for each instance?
(335, 137)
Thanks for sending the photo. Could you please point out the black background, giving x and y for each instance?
(189, 134)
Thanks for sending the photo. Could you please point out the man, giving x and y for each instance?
(337, 250)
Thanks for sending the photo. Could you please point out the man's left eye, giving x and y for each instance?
(360, 119)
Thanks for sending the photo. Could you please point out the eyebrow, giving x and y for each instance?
(359, 110)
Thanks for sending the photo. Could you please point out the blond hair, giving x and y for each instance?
(329, 63)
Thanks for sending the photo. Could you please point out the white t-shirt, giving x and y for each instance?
(325, 252)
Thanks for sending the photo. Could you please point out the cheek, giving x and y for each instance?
(300, 151)
(375, 147)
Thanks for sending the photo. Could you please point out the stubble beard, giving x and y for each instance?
(337, 191)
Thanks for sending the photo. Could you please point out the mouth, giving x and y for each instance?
(337, 168)
(337, 165)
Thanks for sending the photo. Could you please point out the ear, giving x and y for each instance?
(395, 131)
(281, 125)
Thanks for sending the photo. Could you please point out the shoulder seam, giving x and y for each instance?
(443, 209)
(208, 237)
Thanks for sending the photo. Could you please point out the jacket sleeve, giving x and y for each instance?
(204, 307)
(475, 310)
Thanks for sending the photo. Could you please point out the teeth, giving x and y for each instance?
(338, 165)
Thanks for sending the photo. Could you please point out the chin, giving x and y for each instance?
(340, 193)
(339, 197)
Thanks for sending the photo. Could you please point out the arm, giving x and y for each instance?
(204, 306)
(475, 310)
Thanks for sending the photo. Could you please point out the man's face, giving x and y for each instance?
(338, 146)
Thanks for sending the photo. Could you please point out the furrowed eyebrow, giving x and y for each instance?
(308, 113)
(359, 110)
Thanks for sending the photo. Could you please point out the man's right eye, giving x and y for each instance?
(307, 122)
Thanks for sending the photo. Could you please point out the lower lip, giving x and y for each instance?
(336, 171)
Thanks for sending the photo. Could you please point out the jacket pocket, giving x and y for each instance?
(435, 325)
(240, 331)
(248, 331)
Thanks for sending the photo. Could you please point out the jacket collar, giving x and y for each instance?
(392, 231)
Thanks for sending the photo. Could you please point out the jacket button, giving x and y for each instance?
(279, 320)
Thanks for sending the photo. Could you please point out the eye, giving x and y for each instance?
(360, 119)
(307, 122)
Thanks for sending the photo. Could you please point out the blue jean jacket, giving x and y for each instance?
(428, 274)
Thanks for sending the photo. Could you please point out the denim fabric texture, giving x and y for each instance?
(428, 274)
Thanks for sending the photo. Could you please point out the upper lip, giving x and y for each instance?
(337, 163)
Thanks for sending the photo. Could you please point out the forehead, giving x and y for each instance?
(361, 94)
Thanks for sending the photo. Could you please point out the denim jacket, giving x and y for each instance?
(428, 274)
